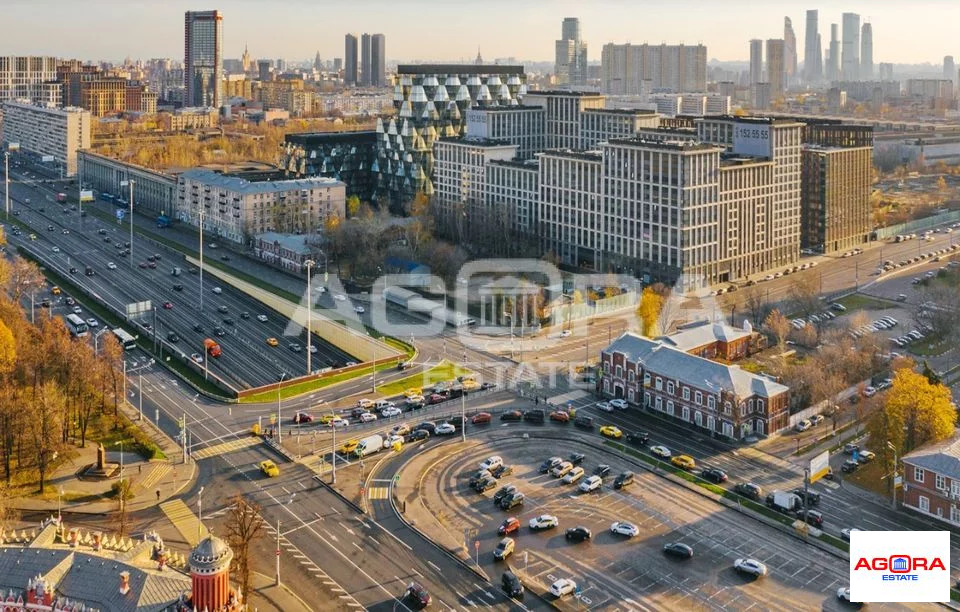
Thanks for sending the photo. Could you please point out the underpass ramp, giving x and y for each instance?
(184, 520)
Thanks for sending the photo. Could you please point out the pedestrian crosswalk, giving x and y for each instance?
(184, 520)
(157, 473)
(225, 447)
(379, 492)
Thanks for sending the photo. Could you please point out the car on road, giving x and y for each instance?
(513, 415)
(339, 422)
(445, 429)
(173, 337)
(684, 462)
(302, 417)
(508, 526)
(501, 470)
(417, 596)
(244, 315)
(749, 490)
(845, 533)
(511, 585)
(843, 594)
(391, 412)
(56, 249)
(69, 301)
(76, 310)
(167, 305)
(619, 404)
(198, 328)
(660, 451)
(549, 464)
(750, 567)
(359, 309)
(426, 426)
(217, 290)
(813, 498)
(714, 475)
(605, 406)
(536, 415)
(611, 431)
(73, 270)
(491, 462)
(93, 322)
(813, 517)
(573, 475)
(816, 419)
(576, 458)
(196, 357)
(578, 533)
(623, 479)
(219, 332)
(561, 469)
(592, 483)
(340, 297)
(272, 341)
(583, 421)
(544, 521)
(222, 309)
(562, 587)
(639, 438)
(296, 348)
(625, 529)
(504, 549)
(480, 417)
(269, 468)
(803, 425)
(368, 417)
(560, 416)
(678, 549)
(152, 265)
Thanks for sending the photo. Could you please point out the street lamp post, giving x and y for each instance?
(120, 442)
(6, 180)
(140, 396)
(199, 513)
(201, 257)
(308, 264)
(59, 495)
(333, 454)
(279, 420)
(893, 496)
(130, 182)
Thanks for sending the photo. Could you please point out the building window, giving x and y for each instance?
(698, 398)
(670, 408)
(941, 482)
(686, 413)
(954, 514)
(606, 386)
(631, 375)
(743, 409)
(646, 380)
(760, 405)
(711, 402)
(670, 387)
(726, 407)
(686, 393)
(659, 405)
(955, 488)
(924, 502)
(659, 385)
(619, 372)
(918, 474)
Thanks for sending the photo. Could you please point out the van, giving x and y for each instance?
(504, 549)
(176, 272)
(511, 584)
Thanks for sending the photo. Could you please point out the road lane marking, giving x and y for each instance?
(434, 566)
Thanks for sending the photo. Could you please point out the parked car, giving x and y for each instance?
(622, 480)
(561, 470)
(625, 529)
(849, 466)
(619, 404)
(544, 521)
(576, 458)
(563, 586)
(678, 549)
(592, 483)
(751, 567)
(578, 534)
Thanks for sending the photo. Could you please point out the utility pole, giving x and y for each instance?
(333, 455)
(278, 552)
(279, 420)
(201, 257)
(199, 514)
(893, 482)
(6, 179)
(140, 394)
(806, 498)
(130, 182)
(308, 264)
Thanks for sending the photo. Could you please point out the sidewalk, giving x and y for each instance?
(268, 596)
(164, 476)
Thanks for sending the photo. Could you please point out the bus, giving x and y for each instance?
(77, 326)
(127, 341)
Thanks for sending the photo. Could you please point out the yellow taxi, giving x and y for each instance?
(685, 462)
(33, 236)
(269, 468)
(413, 392)
(55, 290)
(325, 419)
(470, 385)
(348, 447)
(611, 432)
(272, 341)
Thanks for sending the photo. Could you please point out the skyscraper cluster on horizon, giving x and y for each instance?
(848, 57)
(368, 67)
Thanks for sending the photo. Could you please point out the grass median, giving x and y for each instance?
(288, 391)
(445, 370)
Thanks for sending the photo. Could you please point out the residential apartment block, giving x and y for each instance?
(836, 197)
(30, 78)
(931, 481)
(522, 125)
(152, 190)
(570, 220)
(601, 124)
(563, 110)
(513, 189)
(237, 209)
(642, 69)
(46, 130)
(713, 397)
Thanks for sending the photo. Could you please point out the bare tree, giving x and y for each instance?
(123, 492)
(43, 427)
(755, 301)
(805, 292)
(779, 326)
(244, 526)
(938, 311)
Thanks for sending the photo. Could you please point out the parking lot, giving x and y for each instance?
(614, 571)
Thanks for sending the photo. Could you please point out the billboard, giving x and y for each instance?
(136, 309)
(819, 466)
(751, 139)
(86, 195)
(46, 159)
(477, 124)
(13, 146)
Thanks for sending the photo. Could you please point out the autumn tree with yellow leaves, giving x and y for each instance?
(651, 303)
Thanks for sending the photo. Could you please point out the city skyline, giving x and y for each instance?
(145, 30)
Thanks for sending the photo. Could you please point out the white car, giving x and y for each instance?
(313, 349)
(77, 310)
(660, 451)
(93, 322)
(359, 309)
(619, 404)
(573, 475)
(565, 333)
(391, 412)
(491, 462)
(803, 425)
(415, 400)
(445, 429)
(340, 297)
(625, 529)
(197, 357)
(56, 249)
(383, 404)
(843, 593)
(262, 318)
(605, 406)
(750, 566)
(400, 430)
(368, 417)
(365, 403)
(591, 484)
(544, 521)
(339, 423)
(111, 265)
(562, 587)
(869, 392)
(389, 441)
(217, 290)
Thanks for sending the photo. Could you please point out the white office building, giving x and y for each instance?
(47, 130)
(563, 110)
(522, 125)
(635, 69)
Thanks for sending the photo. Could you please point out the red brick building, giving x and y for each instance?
(715, 340)
(931, 481)
(722, 399)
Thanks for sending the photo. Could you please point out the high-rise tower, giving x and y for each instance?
(350, 59)
(378, 60)
(202, 58)
(833, 65)
(776, 66)
(570, 66)
(866, 52)
(812, 58)
(789, 51)
(365, 60)
(850, 54)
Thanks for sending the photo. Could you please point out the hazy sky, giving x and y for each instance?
(905, 31)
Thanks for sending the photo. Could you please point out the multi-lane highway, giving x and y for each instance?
(69, 243)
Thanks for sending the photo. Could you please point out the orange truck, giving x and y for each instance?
(212, 347)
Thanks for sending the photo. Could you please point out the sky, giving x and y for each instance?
(904, 31)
